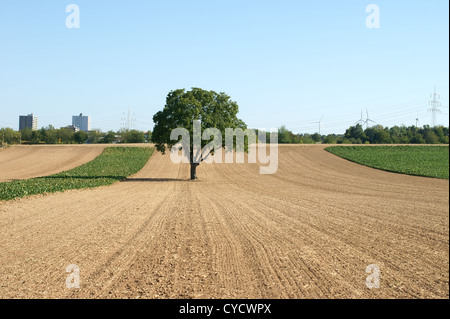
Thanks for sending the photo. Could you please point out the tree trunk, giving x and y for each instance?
(194, 171)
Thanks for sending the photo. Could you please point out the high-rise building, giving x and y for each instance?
(28, 121)
(83, 123)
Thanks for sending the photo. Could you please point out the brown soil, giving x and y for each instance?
(308, 231)
(28, 161)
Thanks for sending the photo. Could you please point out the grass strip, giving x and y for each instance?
(428, 161)
(112, 165)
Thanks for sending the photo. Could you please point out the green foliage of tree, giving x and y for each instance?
(66, 135)
(372, 135)
(284, 135)
(317, 138)
(109, 137)
(9, 136)
(417, 139)
(80, 137)
(431, 138)
(94, 136)
(306, 139)
(330, 139)
(35, 137)
(51, 136)
(26, 135)
(213, 110)
(381, 136)
(133, 136)
(356, 133)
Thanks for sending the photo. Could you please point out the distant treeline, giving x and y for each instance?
(372, 135)
(354, 135)
(51, 135)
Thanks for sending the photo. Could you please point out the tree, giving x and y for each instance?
(284, 135)
(9, 136)
(306, 139)
(51, 136)
(182, 109)
(295, 139)
(35, 137)
(330, 139)
(80, 137)
(94, 136)
(317, 138)
(417, 139)
(442, 134)
(133, 136)
(356, 134)
(43, 134)
(431, 138)
(26, 135)
(346, 141)
(109, 137)
(66, 135)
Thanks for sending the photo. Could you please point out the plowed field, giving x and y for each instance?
(23, 162)
(309, 231)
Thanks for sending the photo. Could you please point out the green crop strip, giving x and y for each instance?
(114, 164)
(429, 161)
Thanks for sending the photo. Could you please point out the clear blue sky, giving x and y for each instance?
(284, 62)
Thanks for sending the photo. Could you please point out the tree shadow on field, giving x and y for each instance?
(82, 177)
(68, 177)
(118, 178)
(128, 180)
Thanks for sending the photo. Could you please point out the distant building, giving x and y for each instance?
(28, 121)
(72, 128)
(83, 123)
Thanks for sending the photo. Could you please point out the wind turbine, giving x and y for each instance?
(361, 121)
(320, 124)
(417, 118)
(368, 120)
